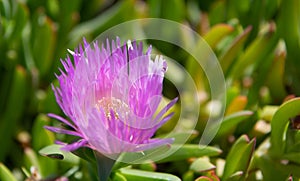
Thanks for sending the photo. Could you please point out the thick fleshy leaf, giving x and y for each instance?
(294, 157)
(202, 165)
(231, 121)
(55, 152)
(43, 165)
(190, 150)
(41, 137)
(5, 174)
(284, 167)
(239, 156)
(142, 156)
(178, 152)
(20, 19)
(210, 176)
(159, 9)
(43, 39)
(293, 142)
(237, 176)
(31, 159)
(237, 104)
(48, 103)
(279, 125)
(181, 137)
(14, 109)
(139, 175)
(257, 91)
(103, 22)
(231, 94)
(216, 33)
(271, 7)
(268, 112)
(290, 12)
(203, 178)
(228, 57)
(256, 53)
(67, 20)
(269, 167)
(119, 177)
(150, 166)
(275, 79)
(188, 176)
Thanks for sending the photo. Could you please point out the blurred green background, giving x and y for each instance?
(257, 43)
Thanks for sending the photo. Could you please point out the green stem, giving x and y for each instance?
(104, 166)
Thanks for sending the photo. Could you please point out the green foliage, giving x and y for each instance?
(256, 42)
(6, 175)
(188, 151)
(238, 159)
(139, 175)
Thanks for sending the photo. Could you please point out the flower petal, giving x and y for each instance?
(75, 145)
(61, 119)
(62, 131)
(165, 109)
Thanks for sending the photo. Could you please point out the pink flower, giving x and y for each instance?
(111, 94)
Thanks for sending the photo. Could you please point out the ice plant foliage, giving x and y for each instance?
(110, 95)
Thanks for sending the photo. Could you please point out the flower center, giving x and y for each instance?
(119, 108)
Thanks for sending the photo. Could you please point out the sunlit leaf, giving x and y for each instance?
(216, 33)
(233, 51)
(275, 80)
(190, 150)
(237, 176)
(238, 104)
(55, 152)
(202, 165)
(5, 174)
(259, 49)
(139, 175)
(119, 177)
(267, 112)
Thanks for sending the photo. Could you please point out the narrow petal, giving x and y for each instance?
(62, 131)
(75, 145)
(60, 142)
(164, 120)
(61, 119)
(165, 109)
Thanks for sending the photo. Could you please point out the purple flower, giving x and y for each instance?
(111, 94)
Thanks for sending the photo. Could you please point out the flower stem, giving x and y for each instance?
(104, 166)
